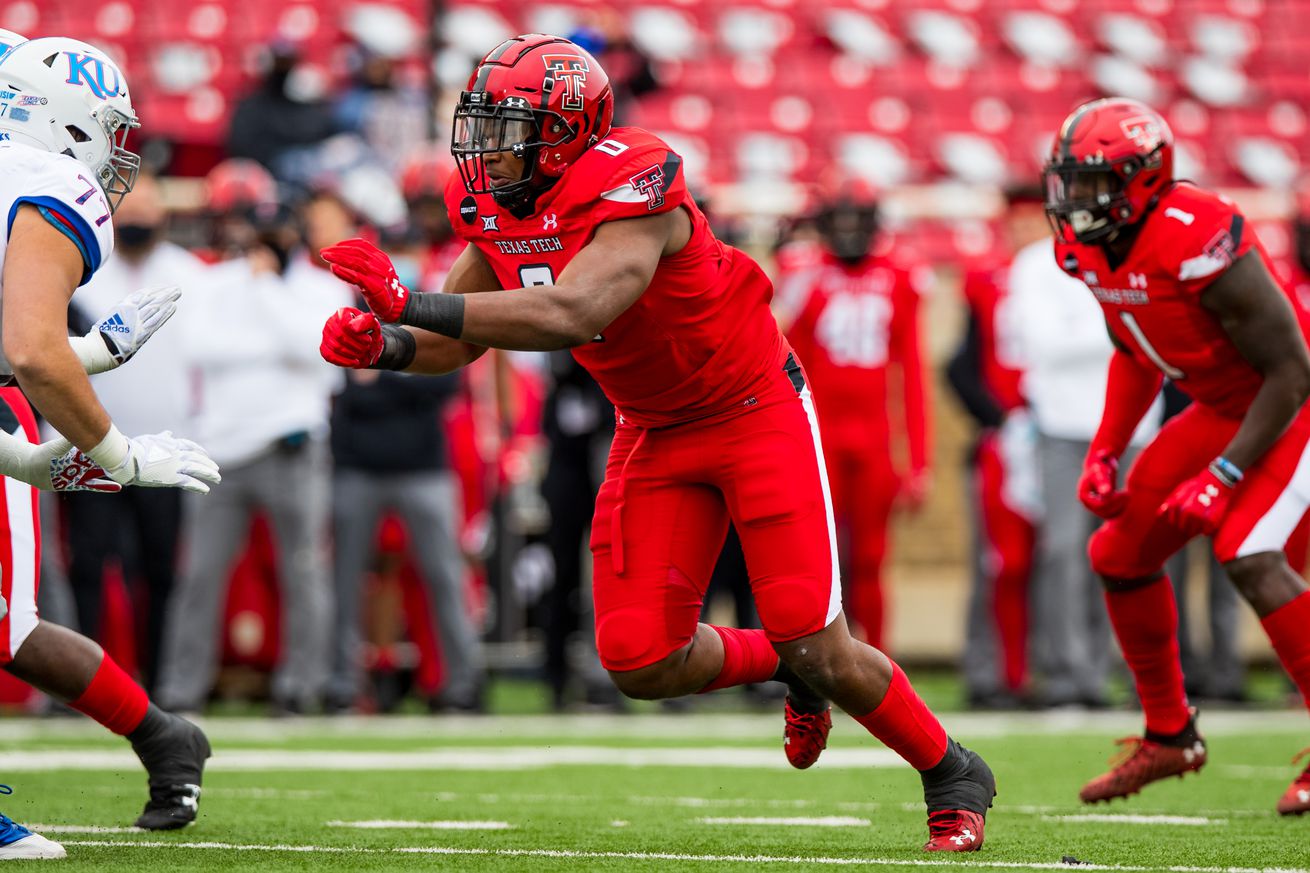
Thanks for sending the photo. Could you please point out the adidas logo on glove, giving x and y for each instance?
(114, 325)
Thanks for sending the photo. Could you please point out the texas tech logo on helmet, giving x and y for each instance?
(571, 72)
(1143, 131)
(649, 183)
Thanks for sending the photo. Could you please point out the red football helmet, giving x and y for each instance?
(239, 184)
(1110, 163)
(425, 175)
(846, 215)
(542, 99)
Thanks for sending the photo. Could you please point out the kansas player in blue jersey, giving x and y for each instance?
(65, 113)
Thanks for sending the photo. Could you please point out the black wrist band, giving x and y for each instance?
(439, 313)
(398, 348)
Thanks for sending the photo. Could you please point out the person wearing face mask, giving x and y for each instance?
(138, 527)
(851, 314)
(282, 115)
(263, 399)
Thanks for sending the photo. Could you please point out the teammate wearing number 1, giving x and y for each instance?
(584, 237)
(1187, 294)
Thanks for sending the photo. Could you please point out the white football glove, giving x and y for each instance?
(53, 466)
(157, 460)
(121, 334)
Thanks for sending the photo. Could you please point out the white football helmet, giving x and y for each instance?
(66, 96)
(9, 39)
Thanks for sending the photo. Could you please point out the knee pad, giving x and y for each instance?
(792, 608)
(1110, 557)
(629, 639)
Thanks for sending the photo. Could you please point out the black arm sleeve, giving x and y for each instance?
(964, 373)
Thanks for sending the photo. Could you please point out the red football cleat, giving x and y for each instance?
(1296, 799)
(1142, 762)
(806, 735)
(954, 830)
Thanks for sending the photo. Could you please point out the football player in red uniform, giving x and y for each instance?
(1187, 294)
(851, 314)
(583, 236)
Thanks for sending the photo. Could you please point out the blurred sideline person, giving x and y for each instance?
(263, 409)
(65, 169)
(389, 451)
(1186, 293)
(851, 314)
(986, 373)
(138, 527)
(583, 236)
(1064, 345)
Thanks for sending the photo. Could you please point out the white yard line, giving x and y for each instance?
(973, 861)
(797, 821)
(715, 725)
(46, 829)
(460, 758)
(1130, 818)
(392, 824)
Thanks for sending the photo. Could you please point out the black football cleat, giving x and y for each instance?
(174, 757)
(958, 792)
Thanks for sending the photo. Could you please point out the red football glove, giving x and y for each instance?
(351, 338)
(1097, 488)
(1198, 505)
(363, 264)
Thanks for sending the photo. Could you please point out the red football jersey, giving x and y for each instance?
(851, 323)
(987, 292)
(1152, 301)
(698, 339)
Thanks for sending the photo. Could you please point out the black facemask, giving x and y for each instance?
(136, 237)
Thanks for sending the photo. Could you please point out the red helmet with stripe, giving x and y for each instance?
(1110, 163)
(542, 99)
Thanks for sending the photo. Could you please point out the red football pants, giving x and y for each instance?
(864, 486)
(663, 512)
(1008, 540)
(1266, 507)
(20, 536)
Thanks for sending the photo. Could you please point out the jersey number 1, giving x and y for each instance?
(1149, 350)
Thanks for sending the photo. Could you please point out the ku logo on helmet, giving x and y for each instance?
(571, 72)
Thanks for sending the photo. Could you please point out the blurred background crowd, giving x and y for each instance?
(380, 537)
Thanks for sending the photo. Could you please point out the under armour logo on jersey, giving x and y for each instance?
(550, 221)
(571, 72)
(489, 223)
(96, 73)
(1137, 280)
(649, 183)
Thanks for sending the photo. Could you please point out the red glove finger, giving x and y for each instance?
(1096, 487)
(351, 338)
(1198, 505)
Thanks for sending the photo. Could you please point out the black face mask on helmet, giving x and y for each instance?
(483, 128)
(849, 230)
(136, 237)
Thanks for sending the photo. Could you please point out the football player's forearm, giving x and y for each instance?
(1130, 390)
(60, 390)
(435, 355)
(529, 319)
(1272, 410)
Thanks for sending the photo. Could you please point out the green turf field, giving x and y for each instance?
(650, 792)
